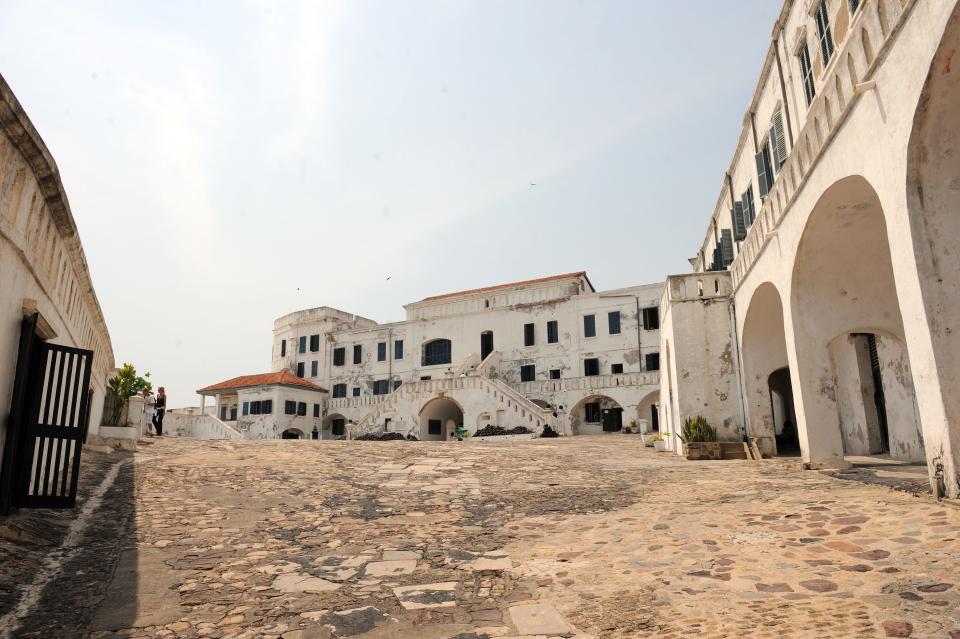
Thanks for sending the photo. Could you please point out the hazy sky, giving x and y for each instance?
(230, 162)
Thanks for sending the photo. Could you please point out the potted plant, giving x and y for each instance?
(633, 427)
(658, 442)
(700, 439)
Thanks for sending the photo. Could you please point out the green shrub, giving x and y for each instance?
(696, 429)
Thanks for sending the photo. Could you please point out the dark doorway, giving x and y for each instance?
(654, 419)
(878, 398)
(612, 420)
(290, 434)
(784, 417)
(486, 344)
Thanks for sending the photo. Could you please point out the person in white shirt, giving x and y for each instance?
(148, 412)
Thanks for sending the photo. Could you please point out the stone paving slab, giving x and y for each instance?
(576, 537)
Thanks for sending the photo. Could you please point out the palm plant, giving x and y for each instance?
(696, 429)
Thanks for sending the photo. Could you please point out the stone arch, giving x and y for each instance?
(842, 284)
(293, 433)
(439, 417)
(933, 203)
(764, 351)
(334, 426)
(649, 409)
(595, 414)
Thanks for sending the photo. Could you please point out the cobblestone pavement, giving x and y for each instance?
(570, 537)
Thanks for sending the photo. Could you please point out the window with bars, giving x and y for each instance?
(439, 351)
(591, 412)
(246, 408)
(398, 349)
(314, 343)
(255, 407)
(529, 335)
(299, 369)
(357, 353)
(283, 348)
(554, 373)
(381, 387)
(316, 410)
(303, 343)
(806, 72)
(616, 369)
(356, 391)
(266, 406)
(313, 368)
(823, 32)
(553, 332)
(289, 407)
(589, 326)
(381, 351)
(613, 322)
(528, 373)
(337, 427)
(339, 356)
(339, 390)
(301, 409)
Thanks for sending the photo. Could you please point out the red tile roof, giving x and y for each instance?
(280, 378)
(498, 287)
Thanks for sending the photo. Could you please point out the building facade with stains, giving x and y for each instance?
(546, 351)
(820, 315)
(55, 351)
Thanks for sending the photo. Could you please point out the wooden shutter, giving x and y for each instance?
(726, 247)
(739, 223)
(762, 176)
(778, 141)
(749, 212)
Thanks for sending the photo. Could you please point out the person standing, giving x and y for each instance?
(160, 407)
(149, 409)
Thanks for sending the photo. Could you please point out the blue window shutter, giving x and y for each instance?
(739, 223)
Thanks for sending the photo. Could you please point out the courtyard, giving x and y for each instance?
(569, 537)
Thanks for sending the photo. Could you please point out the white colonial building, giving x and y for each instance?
(550, 351)
(820, 314)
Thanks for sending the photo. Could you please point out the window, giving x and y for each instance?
(528, 373)
(554, 373)
(589, 326)
(591, 367)
(613, 322)
(396, 384)
(223, 413)
(528, 335)
(299, 369)
(356, 391)
(652, 361)
(357, 353)
(266, 406)
(313, 368)
(778, 141)
(381, 387)
(316, 410)
(339, 356)
(398, 349)
(289, 407)
(255, 407)
(303, 343)
(823, 30)
(425, 378)
(764, 170)
(337, 427)
(246, 408)
(381, 351)
(616, 369)
(553, 332)
(592, 412)
(339, 390)
(726, 247)
(749, 211)
(233, 413)
(314, 343)
(651, 318)
(806, 72)
(283, 348)
(433, 427)
(437, 352)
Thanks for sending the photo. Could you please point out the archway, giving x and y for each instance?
(596, 414)
(766, 374)
(292, 433)
(648, 411)
(439, 418)
(334, 427)
(843, 286)
(933, 202)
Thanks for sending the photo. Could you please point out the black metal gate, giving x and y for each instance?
(48, 421)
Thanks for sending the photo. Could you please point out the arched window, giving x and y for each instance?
(437, 352)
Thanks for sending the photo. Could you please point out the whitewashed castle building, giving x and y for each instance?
(549, 351)
(820, 314)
